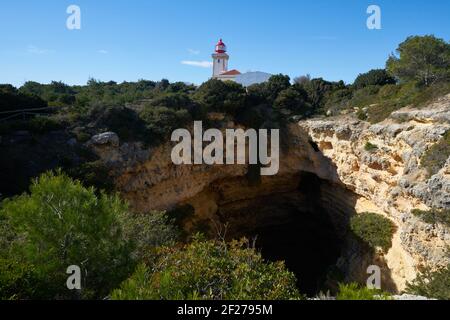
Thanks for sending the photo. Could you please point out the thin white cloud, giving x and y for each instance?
(36, 50)
(325, 38)
(194, 52)
(103, 51)
(201, 64)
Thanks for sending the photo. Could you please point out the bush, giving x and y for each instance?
(172, 100)
(434, 216)
(121, 120)
(364, 97)
(375, 77)
(41, 124)
(319, 91)
(11, 99)
(221, 96)
(293, 100)
(148, 231)
(432, 284)
(209, 270)
(435, 157)
(373, 229)
(18, 281)
(370, 147)
(353, 291)
(382, 101)
(93, 174)
(161, 121)
(421, 59)
(60, 224)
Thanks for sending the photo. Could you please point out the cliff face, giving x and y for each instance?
(389, 180)
(326, 166)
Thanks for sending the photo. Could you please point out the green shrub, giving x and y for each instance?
(18, 281)
(161, 121)
(362, 115)
(12, 99)
(432, 284)
(364, 97)
(434, 216)
(373, 229)
(37, 125)
(82, 137)
(425, 95)
(209, 270)
(41, 124)
(432, 66)
(379, 112)
(293, 100)
(377, 77)
(435, 157)
(93, 174)
(148, 231)
(220, 96)
(121, 120)
(393, 97)
(353, 291)
(61, 223)
(370, 147)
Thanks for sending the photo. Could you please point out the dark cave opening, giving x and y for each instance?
(301, 227)
(306, 243)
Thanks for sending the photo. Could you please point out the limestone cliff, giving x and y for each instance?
(387, 180)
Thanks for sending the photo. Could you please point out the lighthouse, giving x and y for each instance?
(220, 63)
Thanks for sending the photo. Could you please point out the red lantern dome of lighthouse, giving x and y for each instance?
(221, 47)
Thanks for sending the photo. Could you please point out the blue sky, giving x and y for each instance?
(135, 39)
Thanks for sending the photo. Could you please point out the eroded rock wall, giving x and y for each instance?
(387, 180)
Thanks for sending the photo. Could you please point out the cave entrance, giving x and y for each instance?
(308, 245)
(299, 225)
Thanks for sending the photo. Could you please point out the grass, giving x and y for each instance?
(432, 284)
(434, 216)
(370, 147)
(373, 229)
(36, 125)
(436, 156)
(353, 291)
(381, 102)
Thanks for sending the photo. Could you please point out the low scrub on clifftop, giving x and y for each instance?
(434, 216)
(437, 155)
(61, 223)
(209, 270)
(353, 291)
(432, 284)
(373, 229)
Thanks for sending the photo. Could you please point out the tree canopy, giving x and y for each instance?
(210, 270)
(424, 59)
(375, 77)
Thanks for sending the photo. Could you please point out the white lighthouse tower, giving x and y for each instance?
(220, 63)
